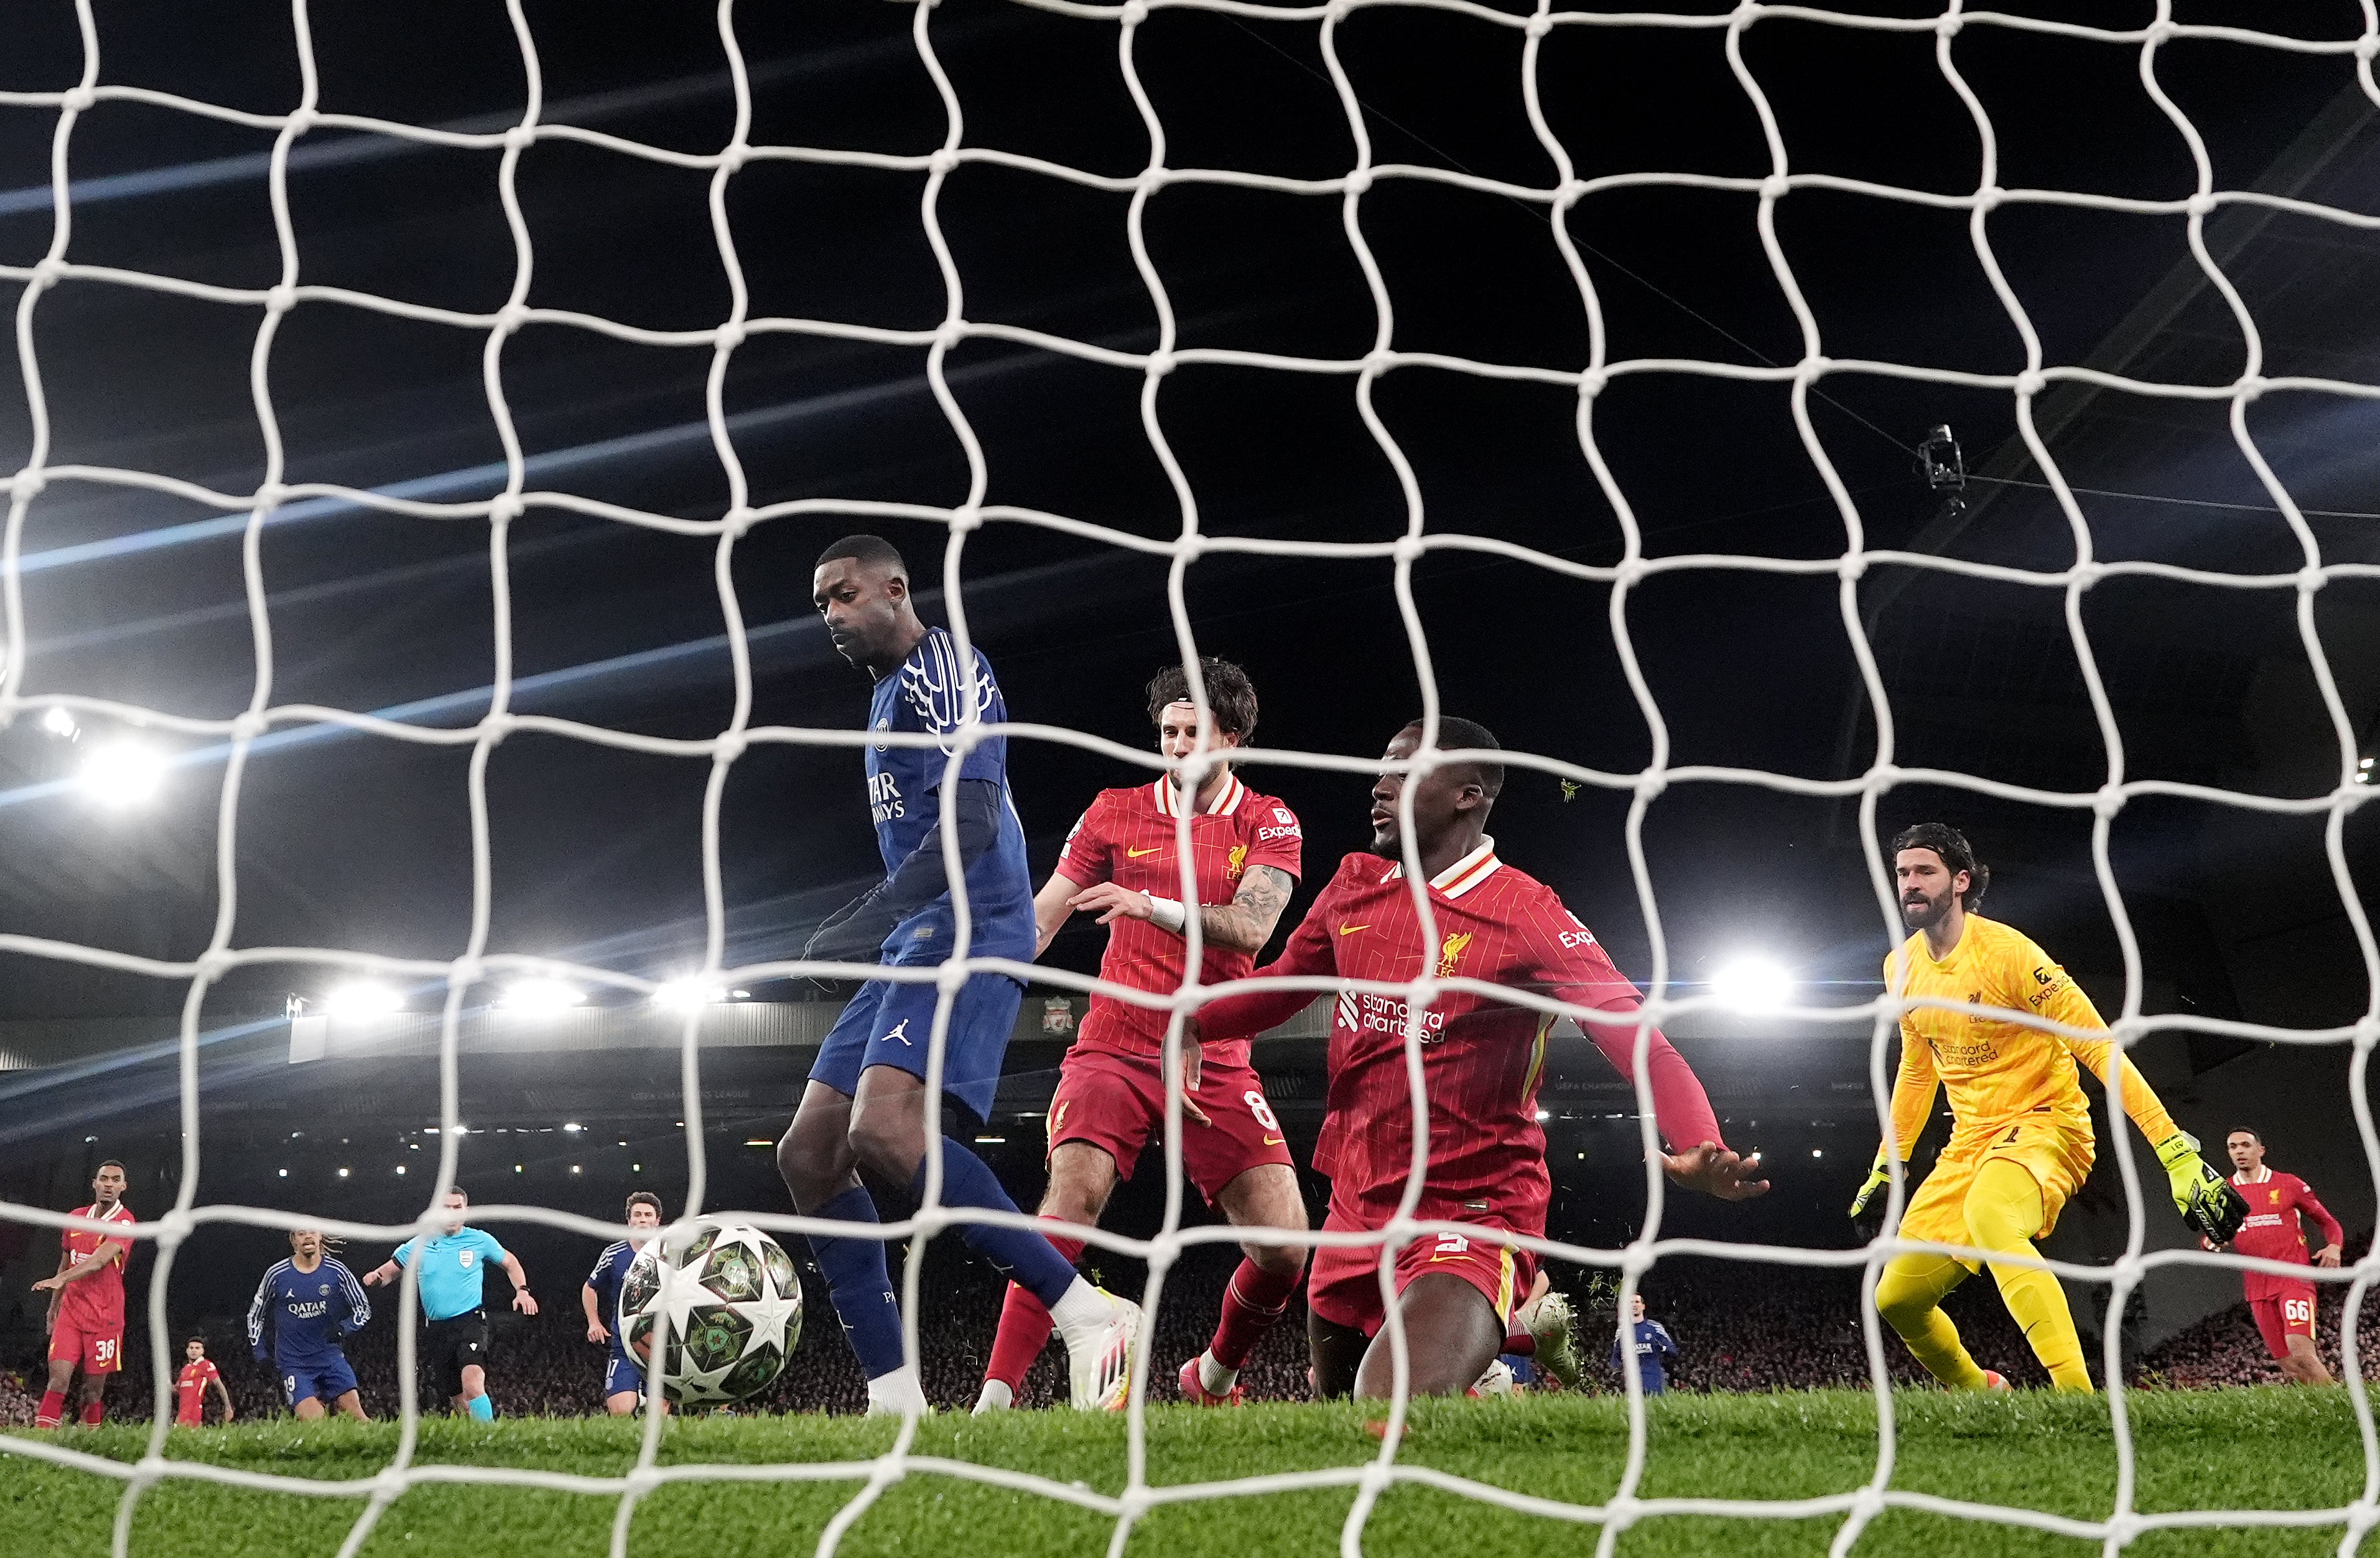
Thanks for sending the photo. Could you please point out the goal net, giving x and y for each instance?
(1600, 543)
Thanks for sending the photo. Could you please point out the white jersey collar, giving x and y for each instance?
(1464, 875)
(1228, 796)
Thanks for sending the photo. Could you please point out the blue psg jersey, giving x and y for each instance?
(308, 1312)
(928, 696)
(610, 1270)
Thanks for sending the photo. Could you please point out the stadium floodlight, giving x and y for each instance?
(59, 723)
(536, 997)
(2363, 771)
(122, 774)
(362, 997)
(1752, 984)
(688, 991)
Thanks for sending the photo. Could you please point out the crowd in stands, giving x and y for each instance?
(1740, 1328)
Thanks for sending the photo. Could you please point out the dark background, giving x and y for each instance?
(364, 842)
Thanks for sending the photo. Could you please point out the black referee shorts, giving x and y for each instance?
(450, 1346)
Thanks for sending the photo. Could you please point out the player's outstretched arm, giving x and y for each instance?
(109, 1250)
(1682, 1109)
(225, 1391)
(1309, 952)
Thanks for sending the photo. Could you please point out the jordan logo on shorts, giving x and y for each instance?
(900, 1031)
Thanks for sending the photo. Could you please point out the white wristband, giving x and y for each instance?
(1167, 913)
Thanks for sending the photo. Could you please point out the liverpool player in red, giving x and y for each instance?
(190, 1385)
(1481, 1063)
(87, 1303)
(1120, 863)
(2283, 1306)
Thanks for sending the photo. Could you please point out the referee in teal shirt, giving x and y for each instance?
(454, 1265)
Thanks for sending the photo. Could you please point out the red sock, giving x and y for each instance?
(1024, 1327)
(1517, 1337)
(1254, 1301)
(91, 1412)
(53, 1409)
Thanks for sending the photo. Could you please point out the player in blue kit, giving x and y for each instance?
(865, 1103)
(312, 1301)
(624, 1383)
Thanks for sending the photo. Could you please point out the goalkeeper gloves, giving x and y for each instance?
(2206, 1200)
(1877, 1178)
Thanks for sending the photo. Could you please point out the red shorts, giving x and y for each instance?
(1116, 1103)
(2285, 1314)
(1344, 1285)
(92, 1351)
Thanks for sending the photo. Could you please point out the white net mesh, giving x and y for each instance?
(253, 510)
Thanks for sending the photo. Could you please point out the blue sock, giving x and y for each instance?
(1020, 1254)
(862, 1284)
(483, 1407)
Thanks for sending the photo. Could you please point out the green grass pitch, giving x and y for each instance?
(2272, 1447)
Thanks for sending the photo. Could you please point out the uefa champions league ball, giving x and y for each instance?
(728, 1303)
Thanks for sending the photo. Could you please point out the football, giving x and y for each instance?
(727, 1305)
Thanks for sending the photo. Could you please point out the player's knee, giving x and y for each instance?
(1903, 1298)
(1275, 1260)
(886, 1144)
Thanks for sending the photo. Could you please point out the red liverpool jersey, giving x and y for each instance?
(1128, 838)
(1481, 1058)
(2272, 1232)
(96, 1302)
(191, 1390)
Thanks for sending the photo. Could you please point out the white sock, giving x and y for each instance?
(996, 1397)
(1218, 1380)
(1082, 1313)
(897, 1392)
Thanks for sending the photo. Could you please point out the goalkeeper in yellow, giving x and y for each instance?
(2020, 1140)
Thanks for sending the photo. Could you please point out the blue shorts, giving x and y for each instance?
(324, 1382)
(620, 1373)
(889, 1024)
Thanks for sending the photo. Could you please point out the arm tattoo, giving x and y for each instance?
(1245, 923)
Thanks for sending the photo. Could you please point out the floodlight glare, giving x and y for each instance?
(362, 997)
(1752, 984)
(686, 992)
(59, 723)
(122, 774)
(538, 996)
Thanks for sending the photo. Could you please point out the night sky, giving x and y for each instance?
(363, 842)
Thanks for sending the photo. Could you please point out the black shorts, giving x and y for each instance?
(448, 1346)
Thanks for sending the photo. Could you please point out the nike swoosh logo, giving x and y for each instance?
(1349, 930)
(1136, 855)
(1272, 1141)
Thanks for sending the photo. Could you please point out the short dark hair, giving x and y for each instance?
(873, 550)
(1956, 853)
(111, 1163)
(458, 1191)
(642, 1198)
(2246, 1131)
(200, 1340)
(1454, 733)
(1230, 697)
